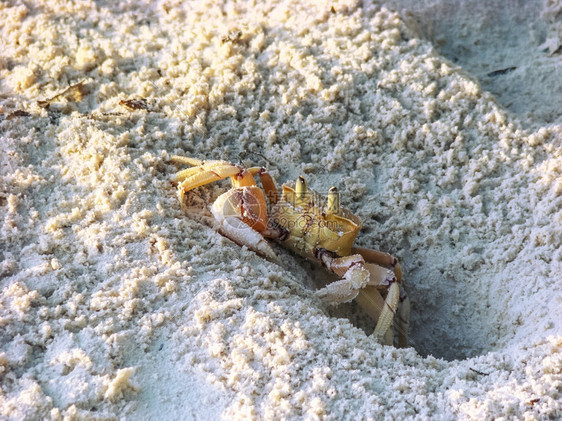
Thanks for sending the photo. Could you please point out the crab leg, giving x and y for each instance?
(359, 280)
(370, 299)
(267, 182)
(381, 310)
(178, 159)
(204, 173)
(380, 258)
(354, 277)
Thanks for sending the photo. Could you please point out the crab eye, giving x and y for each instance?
(300, 188)
(333, 204)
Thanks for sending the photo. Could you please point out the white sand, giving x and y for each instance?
(114, 303)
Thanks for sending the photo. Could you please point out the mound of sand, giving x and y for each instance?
(115, 301)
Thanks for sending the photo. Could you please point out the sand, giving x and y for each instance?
(116, 302)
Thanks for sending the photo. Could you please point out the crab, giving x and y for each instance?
(311, 225)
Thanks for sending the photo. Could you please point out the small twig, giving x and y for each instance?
(77, 90)
(17, 113)
(479, 372)
(501, 71)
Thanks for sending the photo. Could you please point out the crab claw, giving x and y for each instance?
(244, 235)
(242, 214)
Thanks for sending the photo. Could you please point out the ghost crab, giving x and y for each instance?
(313, 226)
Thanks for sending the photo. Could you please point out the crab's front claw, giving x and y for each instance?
(244, 235)
(241, 214)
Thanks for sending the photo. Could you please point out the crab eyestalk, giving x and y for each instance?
(333, 204)
(301, 190)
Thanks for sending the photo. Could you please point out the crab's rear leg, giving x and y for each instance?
(381, 310)
(396, 301)
(359, 280)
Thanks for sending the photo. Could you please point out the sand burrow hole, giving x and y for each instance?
(476, 238)
(441, 175)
